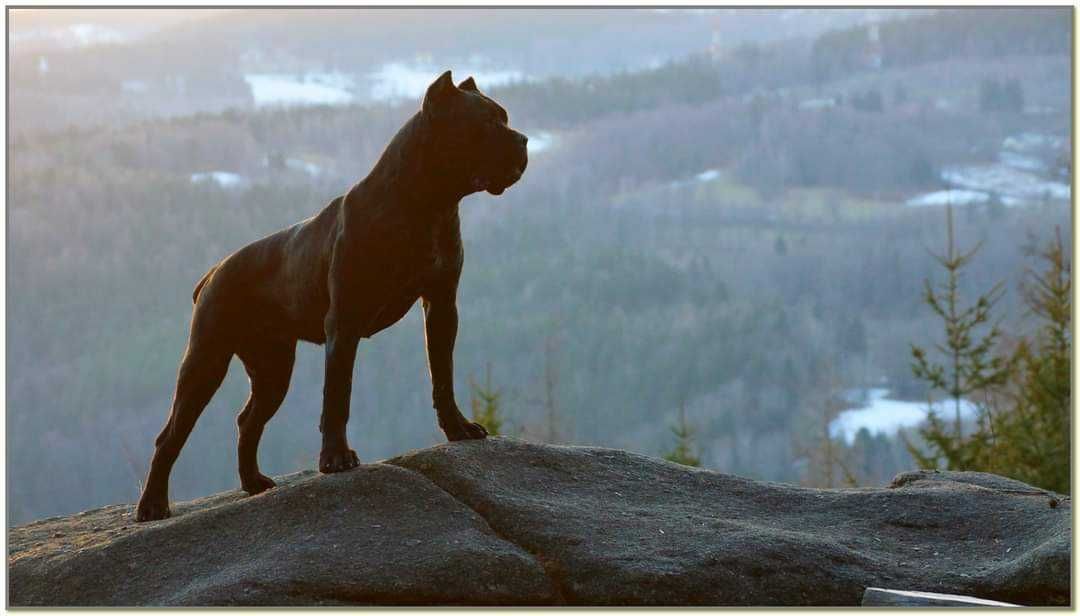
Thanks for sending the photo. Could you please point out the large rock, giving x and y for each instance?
(378, 535)
(506, 522)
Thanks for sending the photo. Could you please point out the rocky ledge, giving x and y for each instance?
(506, 522)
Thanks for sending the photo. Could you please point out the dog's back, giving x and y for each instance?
(268, 284)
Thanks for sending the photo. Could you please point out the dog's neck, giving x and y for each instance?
(409, 167)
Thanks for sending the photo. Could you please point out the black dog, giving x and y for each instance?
(347, 273)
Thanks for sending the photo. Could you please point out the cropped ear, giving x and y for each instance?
(439, 92)
(468, 85)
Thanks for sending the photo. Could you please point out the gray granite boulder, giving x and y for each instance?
(503, 521)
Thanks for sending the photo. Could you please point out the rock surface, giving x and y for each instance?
(505, 522)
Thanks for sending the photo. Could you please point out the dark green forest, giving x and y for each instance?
(726, 240)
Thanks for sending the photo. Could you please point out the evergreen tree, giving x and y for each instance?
(683, 453)
(552, 423)
(828, 455)
(1013, 96)
(970, 369)
(485, 402)
(1005, 96)
(780, 246)
(900, 94)
(989, 95)
(1033, 433)
(851, 334)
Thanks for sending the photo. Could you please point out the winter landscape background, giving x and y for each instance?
(727, 211)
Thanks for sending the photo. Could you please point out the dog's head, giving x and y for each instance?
(472, 136)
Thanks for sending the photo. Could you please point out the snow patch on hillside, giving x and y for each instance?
(224, 179)
(398, 80)
(282, 89)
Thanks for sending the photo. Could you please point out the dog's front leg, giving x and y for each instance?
(337, 388)
(440, 332)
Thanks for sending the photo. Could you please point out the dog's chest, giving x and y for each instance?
(431, 256)
(428, 260)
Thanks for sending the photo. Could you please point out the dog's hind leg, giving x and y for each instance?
(269, 368)
(201, 372)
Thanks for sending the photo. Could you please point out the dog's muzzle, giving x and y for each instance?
(498, 185)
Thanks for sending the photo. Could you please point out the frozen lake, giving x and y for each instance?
(879, 413)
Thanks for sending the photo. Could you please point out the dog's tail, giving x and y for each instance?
(202, 283)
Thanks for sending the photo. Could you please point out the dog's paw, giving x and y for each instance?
(148, 511)
(467, 431)
(335, 461)
(475, 430)
(257, 484)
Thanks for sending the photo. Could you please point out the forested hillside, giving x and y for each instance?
(742, 233)
(213, 59)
